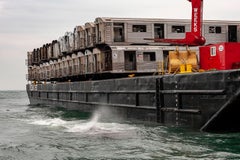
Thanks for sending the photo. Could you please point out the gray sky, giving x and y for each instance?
(28, 24)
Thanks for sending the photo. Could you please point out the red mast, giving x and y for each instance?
(193, 38)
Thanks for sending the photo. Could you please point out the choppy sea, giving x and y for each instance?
(45, 133)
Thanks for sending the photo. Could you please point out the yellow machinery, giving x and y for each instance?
(182, 61)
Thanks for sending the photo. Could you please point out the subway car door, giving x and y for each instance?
(130, 60)
(232, 33)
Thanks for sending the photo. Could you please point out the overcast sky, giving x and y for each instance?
(28, 24)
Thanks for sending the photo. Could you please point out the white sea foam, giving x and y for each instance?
(50, 122)
(93, 126)
(97, 128)
(108, 130)
(84, 126)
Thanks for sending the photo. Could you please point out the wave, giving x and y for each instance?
(49, 122)
(93, 126)
(84, 127)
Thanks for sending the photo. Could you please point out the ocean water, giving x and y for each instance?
(45, 133)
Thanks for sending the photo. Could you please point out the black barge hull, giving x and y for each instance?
(208, 101)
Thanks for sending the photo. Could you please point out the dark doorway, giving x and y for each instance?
(159, 31)
(108, 60)
(232, 33)
(95, 63)
(165, 59)
(130, 60)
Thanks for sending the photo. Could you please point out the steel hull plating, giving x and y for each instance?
(206, 101)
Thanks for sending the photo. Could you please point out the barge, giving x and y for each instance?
(208, 101)
(111, 63)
